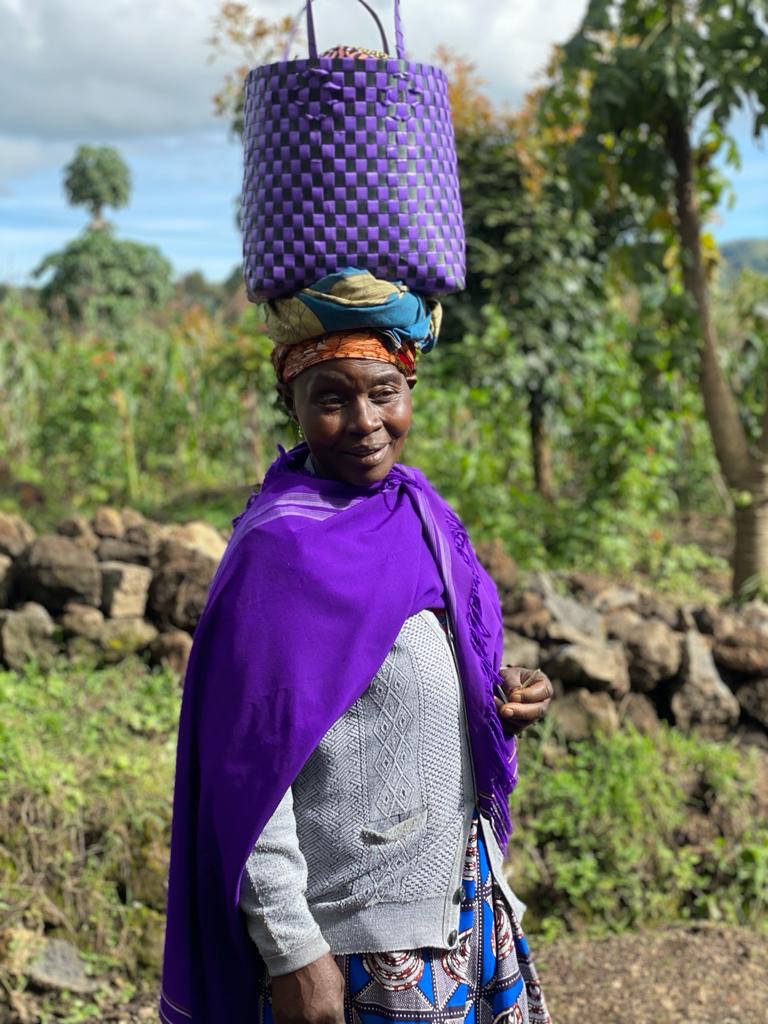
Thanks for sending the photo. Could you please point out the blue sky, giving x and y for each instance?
(137, 75)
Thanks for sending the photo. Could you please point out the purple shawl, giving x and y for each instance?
(313, 589)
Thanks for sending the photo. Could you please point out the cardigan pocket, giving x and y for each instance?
(402, 831)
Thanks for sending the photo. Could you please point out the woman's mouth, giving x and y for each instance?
(370, 455)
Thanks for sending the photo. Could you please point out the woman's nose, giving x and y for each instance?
(365, 417)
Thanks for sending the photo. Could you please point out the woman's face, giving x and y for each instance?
(355, 415)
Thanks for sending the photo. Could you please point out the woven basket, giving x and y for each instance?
(350, 162)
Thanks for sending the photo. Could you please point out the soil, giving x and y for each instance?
(686, 974)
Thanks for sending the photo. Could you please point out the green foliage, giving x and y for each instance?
(97, 177)
(654, 65)
(144, 414)
(86, 771)
(742, 317)
(631, 831)
(610, 834)
(100, 277)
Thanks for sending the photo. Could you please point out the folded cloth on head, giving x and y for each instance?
(351, 300)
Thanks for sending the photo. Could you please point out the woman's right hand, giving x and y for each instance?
(312, 995)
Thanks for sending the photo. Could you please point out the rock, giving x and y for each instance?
(78, 529)
(622, 623)
(639, 711)
(40, 622)
(81, 650)
(595, 666)
(58, 966)
(654, 652)
(520, 652)
(180, 585)
(171, 649)
(706, 616)
(743, 650)
(574, 621)
(498, 563)
(197, 536)
(132, 518)
(686, 618)
(6, 580)
(82, 620)
(525, 614)
(753, 699)
(25, 635)
(580, 714)
(107, 522)
(702, 699)
(651, 606)
(124, 589)
(615, 598)
(15, 534)
(112, 549)
(54, 570)
(121, 637)
(754, 615)
(751, 736)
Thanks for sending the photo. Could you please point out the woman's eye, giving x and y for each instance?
(383, 394)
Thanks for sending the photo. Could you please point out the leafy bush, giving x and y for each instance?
(86, 769)
(630, 830)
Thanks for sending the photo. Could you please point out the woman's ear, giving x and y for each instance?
(285, 391)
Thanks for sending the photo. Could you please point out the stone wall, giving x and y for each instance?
(119, 584)
(624, 653)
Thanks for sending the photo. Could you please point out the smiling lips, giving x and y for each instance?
(367, 453)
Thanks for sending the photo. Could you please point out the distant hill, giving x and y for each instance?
(746, 254)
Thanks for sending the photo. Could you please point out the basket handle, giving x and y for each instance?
(312, 39)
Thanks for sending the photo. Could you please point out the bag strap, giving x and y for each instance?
(312, 38)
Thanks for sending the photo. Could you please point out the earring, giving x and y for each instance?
(301, 433)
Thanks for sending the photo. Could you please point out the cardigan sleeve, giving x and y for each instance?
(273, 897)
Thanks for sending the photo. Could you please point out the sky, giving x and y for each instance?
(138, 75)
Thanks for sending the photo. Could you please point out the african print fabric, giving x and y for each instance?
(488, 977)
(291, 360)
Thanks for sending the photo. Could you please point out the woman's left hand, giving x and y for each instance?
(529, 693)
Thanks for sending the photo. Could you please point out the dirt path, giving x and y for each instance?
(693, 974)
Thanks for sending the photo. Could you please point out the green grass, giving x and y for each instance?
(632, 831)
(611, 834)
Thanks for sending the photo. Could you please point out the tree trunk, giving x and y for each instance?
(741, 470)
(750, 554)
(540, 448)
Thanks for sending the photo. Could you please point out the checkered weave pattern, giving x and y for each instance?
(350, 162)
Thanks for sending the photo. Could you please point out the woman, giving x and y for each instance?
(346, 746)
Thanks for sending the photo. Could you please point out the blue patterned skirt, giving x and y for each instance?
(487, 978)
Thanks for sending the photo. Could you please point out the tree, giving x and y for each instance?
(98, 276)
(531, 258)
(255, 40)
(95, 178)
(662, 80)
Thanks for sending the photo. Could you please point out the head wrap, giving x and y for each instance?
(291, 360)
(352, 299)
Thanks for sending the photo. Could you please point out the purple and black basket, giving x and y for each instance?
(350, 162)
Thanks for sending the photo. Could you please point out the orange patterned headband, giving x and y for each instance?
(291, 360)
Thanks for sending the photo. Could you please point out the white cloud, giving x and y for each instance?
(111, 69)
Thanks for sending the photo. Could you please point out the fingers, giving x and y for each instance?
(526, 686)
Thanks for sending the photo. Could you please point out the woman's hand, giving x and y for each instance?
(312, 995)
(529, 693)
